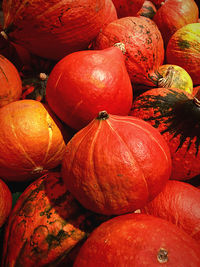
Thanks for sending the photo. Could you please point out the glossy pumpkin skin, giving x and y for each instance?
(173, 15)
(178, 203)
(116, 164)
(174, 113)
(144, 241)
(143, 44)
(183, 49)
(45, 224)
(52, 29)
(10, 82)
(31, 142)
(86, 82)
(5, 202)
(127, 8)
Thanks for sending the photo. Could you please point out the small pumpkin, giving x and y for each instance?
(178, 203)
(148, 10)
(31, 142)
(176, 114)
(10, 82)
(127, 8)
(143, 43)
(138, 240)
(46, 224)
(116, 164)
(183, 49)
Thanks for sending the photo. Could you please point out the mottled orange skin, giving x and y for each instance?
(45, 224)
(5, 202)
(147, 10)
(178, 203)
(31, 142)
(136, 240)
(143, 43)
(10, 82)
(116, 165)
(53, 29)
(127, 8)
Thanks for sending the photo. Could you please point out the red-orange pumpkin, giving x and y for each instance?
(30, 141)
(10, 82)
(86, 82)
(148, 10)
(178, 203)
(126, 8)
(138, 240)
(116, 164)
(5, 202)
(143, 43)
(53, 29)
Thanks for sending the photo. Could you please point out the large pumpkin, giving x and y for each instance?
(30, 141)
(176, 114)
(143, 43)
(45, 225)
(86, 82)
(116, 164)
(138, 240)
(52, 29)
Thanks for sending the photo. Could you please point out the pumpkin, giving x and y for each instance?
(176, 114)
(53, 29)
(143, 43)
(5, 202)
(126, 8)
(116, 164)
(30, 140)
(10, 82)
(178, 203)
(45, 224)
(138, 240)
(86, 82)
(173, 15)
(183, 49)
(147, 10)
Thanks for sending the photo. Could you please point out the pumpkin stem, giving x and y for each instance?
(168, 79)
(103, 115)
(197, 98)
(121, 46)
(162, 255)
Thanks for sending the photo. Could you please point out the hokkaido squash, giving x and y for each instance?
(126, 8)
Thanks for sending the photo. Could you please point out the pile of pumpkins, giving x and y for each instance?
(100, 133)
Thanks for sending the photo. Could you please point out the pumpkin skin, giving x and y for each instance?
(148, 10)
(144, 241)
(127, 8)
(176, 115)
(74, 24)
(86, 82)
(170, 19)
(31, 142)
(10, 82)
(45, 224)
(183, 49)
(143, 43)
(5, 202)
(116, 164)
(178, 203)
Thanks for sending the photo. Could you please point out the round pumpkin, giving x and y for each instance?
(176, 114)
(31, 142)
(126, 8)
(183, 50)
(86, 82)
(148, 10)
(138, 240)
(178, 203)
(116, 164)
(10, 82)
(5, 202)
(143, 43)
(53, 29)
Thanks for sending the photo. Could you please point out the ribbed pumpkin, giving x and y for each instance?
(126, 8)
(10, 82)
(45, 224)
(5, 202)
(52, 29)
(138, 240)
(30, 141)
(183, 50)
(116, 164)
(176, 114)
(143, 43)
(173, 15)
(178, 203)
(86, 82)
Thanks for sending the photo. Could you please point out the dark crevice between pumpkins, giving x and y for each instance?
(103, 115)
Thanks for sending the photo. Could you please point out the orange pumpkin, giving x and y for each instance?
(31, 142)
